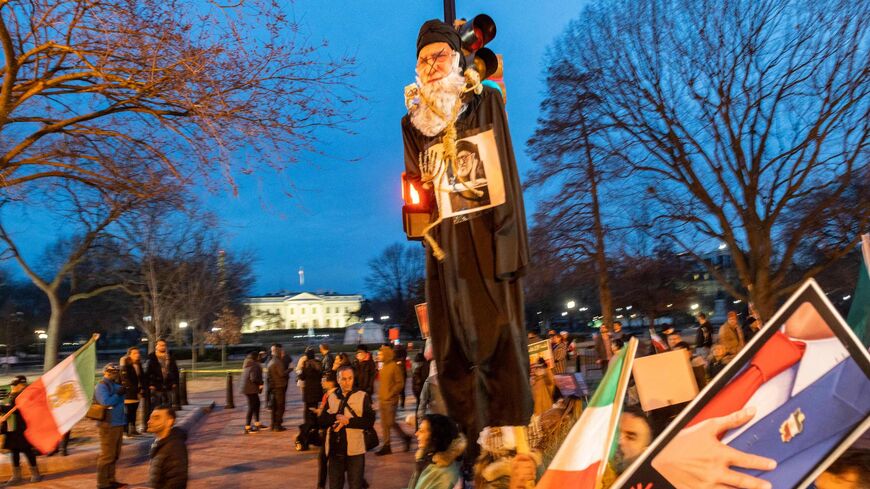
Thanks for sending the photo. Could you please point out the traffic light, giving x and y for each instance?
(477, 33)
(474, 36)
(417, 210)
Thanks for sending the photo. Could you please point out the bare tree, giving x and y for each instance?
(109, 93)
(396, 278)
(747, 121)
(92, 218)
(226, 330)
(573, 159)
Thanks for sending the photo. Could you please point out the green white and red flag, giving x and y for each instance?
(583, 456)
(53, 404)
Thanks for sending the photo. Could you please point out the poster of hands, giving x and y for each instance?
(478, 182)
(794, 399)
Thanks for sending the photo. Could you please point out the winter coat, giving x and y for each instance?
(442, 471)
(278, 374)
(348, 440)
(154, 374)
(14, 427)
(431, 400)
(365, 376)
(111, 394)
(704, 337)
(731, 337)
(169, 461)
(543, 385)
(327, 362)
(132, 380)
(252, 377)
(560, 357)
(392, 381)
(312, 391)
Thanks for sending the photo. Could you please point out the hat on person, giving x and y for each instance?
(435, 30)
(19, 379)
(111, 367)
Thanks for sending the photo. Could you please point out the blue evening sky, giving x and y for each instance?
(345, 208)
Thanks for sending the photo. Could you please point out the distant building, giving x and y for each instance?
(301, 311)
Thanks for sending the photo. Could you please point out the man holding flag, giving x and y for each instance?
(110, 393)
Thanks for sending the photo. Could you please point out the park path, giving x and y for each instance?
(221, 455)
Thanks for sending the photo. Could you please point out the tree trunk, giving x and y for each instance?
(605, 297)
(53, 332)
(223, 355)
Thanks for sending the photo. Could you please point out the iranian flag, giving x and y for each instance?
(59, 399)
(582, 458)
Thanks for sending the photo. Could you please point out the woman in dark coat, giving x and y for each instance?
(252, 386)
(14, 441)
(312, 393)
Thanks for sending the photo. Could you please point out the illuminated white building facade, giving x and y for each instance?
(301, 311)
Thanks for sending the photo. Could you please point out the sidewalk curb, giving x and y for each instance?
(132, 449)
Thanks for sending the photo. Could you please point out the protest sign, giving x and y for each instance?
(541, 349)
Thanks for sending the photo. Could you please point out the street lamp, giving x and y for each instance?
(40, 335)
(694, 307)
(570, 304)
(384, 318)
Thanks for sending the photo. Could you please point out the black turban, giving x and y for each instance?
(434, 31)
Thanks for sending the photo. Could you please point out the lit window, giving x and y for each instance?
(328, 323)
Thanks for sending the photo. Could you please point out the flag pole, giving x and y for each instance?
(621, 387)
(94, 338)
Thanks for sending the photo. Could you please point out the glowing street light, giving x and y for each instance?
(564, 313)
(570, 304)
(384, 318)
(695, 307)
(183, 325)
(583, 309)
(130, 327)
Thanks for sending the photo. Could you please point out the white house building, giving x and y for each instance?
(301, 311)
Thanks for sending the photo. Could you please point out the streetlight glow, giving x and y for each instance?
(570, 304)
(583, 309)
(384, 318)
(215, 329)
(39, 331)
(694, 307)
(182, 325)
(130, 327)
(43, 336)
(564, 313)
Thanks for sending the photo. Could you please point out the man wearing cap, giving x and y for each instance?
(365, 370)
(474, 289)
(110, 393)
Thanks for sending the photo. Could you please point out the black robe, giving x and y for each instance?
(475, 296)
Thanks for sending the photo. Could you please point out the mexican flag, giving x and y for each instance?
(859, 313)
(59, 399)
(582, 458)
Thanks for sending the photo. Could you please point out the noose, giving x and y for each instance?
(448, 143)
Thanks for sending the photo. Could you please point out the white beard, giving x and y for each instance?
(443, 94)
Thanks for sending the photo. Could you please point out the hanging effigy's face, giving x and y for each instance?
(466, 161)
(434, 62)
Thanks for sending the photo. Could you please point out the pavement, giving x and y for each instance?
(222, 455)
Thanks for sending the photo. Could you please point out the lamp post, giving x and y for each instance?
(184, 325)
(40, 340)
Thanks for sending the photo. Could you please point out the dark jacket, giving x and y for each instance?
(350, 440)
(704, 337)
(312, 391)
(278, 374)
(419, 376)
(13, 427)
(365, 376)
(169, 461)
(130, 379)
(252, 376)
(154, 374)
(328, 359)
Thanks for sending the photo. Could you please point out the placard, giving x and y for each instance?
(664, 379)
(422, 319)
(541, 349)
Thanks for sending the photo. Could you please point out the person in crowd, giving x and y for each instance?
(673, 339)
(329, 383)
(341, 360)
(560, 354)
(617, 333)
(431, 401)
(704, 336)
(278, 380)
(162, 374)
(312, 394)
(134, 389)
(326, 358)
(365, 370)
(391, 383)
(252, 386)
(616, 345)
(347, 414)
(110, 393)
(731, 337)
(543, 385)
(635, 435)
(752, 324)
(602, 347)
(402, 362)
(418, 375)
(532, 337)
(440, 444)
(300, 364)
(169, 465)
(717, 361)
(14, 440)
